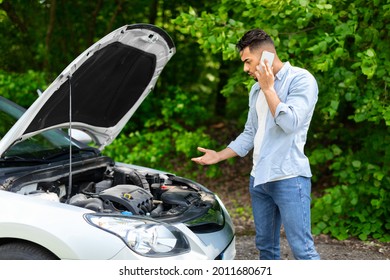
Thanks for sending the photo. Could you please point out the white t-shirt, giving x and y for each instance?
(262, 110)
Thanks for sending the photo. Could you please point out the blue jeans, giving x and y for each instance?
(284, 202)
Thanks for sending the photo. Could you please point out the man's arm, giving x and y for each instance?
(212, 157)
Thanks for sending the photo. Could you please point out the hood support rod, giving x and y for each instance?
(70, 183)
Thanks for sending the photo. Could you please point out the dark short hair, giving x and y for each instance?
(254, 39)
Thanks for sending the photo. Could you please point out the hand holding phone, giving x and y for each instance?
(268, 56)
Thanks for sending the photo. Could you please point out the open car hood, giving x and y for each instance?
(103, 86)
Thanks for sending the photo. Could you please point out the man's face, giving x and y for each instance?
(250, 60)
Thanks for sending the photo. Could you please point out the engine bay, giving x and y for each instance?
(123, 190)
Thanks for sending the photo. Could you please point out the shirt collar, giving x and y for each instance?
(283, 70)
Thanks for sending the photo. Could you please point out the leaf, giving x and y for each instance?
(356, 163)
(337, 209)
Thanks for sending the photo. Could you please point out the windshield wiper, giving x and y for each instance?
(62, 153)
(21, 159)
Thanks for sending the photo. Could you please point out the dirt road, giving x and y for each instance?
(329, 249)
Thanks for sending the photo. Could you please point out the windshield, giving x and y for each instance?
(9, 114)
(47, 145)
(40, 146)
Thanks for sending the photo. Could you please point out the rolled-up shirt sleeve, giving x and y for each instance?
(293, 113)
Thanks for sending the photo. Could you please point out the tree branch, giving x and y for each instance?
(112, 20)
(49, 32)
(92, 26)
(13, 16)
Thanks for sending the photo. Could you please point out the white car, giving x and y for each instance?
(57, 204)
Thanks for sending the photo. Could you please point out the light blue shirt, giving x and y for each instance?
(282, 151)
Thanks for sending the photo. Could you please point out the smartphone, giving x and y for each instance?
(268, 56)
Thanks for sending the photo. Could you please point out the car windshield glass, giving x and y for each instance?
(49, 144)
(8, 116)
(41, 146)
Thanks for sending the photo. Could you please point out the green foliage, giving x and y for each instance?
(219, 39)
(166, 142)
(22, 87)
(358, 204)
(167, 149)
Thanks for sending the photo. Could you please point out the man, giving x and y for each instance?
(281, 104)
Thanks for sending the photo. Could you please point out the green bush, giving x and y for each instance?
(169, 139)
(357, 205)
(22, 87)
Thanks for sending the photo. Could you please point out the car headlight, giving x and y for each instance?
(145, 237)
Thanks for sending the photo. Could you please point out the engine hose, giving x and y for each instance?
(139, 180)
(144, 209)
(157, 211)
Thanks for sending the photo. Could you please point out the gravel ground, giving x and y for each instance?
(329, 249)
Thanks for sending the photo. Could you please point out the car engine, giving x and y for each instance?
(120, 190)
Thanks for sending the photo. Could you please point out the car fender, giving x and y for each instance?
(58, 227)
